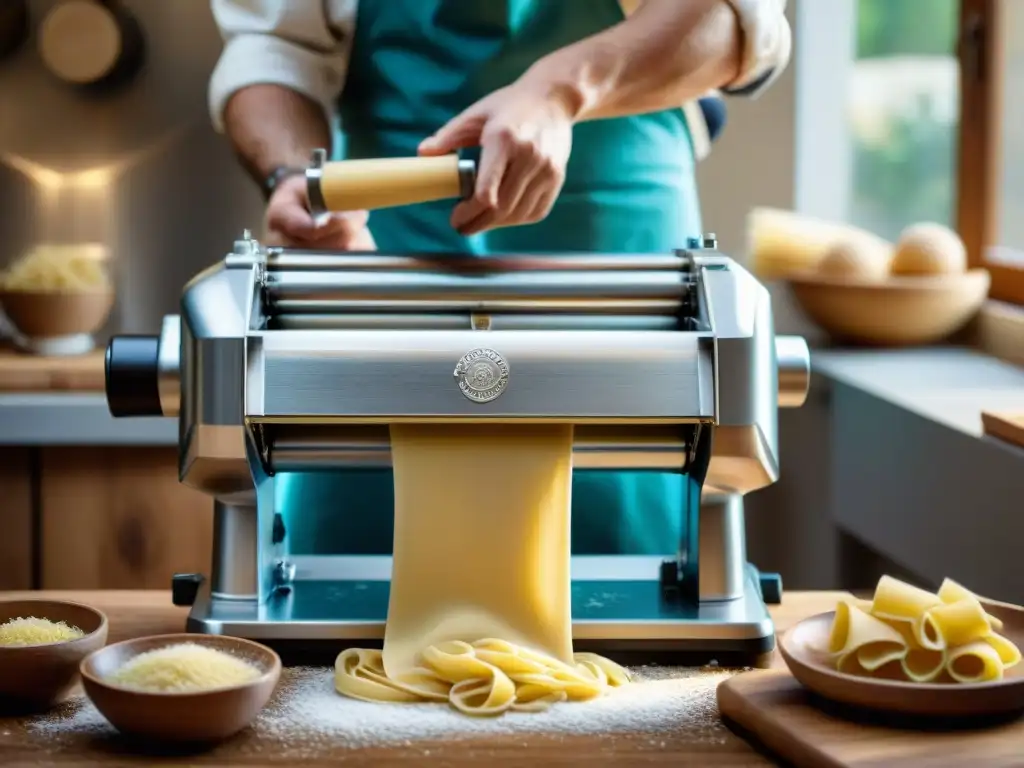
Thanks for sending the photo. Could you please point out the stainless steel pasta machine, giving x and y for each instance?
(285, 361)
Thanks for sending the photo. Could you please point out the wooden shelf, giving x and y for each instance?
(35, 373)
(1006, 426)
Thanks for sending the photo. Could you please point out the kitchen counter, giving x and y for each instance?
(949, 386)
(50, 401)
(76, 418)
(137, 613)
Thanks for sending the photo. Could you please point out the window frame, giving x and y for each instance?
(982, 72)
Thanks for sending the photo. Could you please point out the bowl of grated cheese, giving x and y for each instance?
(56, 297)
(181, 688)
(42, 643)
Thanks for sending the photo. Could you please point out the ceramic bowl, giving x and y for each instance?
(802, 648)
(39, 676)
(190, 717)
(54, 322)
(900, 311)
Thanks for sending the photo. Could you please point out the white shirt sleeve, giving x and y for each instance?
(299, 45)
(768, 45)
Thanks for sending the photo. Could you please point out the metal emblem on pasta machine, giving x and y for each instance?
(482, 375)
(290, 361)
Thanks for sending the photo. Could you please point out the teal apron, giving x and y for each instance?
(629, 188)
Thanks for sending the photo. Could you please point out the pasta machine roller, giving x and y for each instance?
(285, 361)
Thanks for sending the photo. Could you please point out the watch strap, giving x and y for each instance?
(279, 174)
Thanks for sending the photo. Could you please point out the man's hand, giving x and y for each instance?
(525, 134)
(289, 222)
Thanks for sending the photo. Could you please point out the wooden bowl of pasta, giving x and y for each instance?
(57, 297)
(962, 678)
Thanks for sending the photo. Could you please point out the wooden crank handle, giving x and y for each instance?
(364, 185)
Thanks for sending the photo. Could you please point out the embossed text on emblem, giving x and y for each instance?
(482, 375)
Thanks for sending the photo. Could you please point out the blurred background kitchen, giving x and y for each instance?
(893, 112)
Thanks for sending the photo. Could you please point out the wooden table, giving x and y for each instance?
(133, 614)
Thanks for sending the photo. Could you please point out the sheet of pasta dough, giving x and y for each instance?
(481, 538)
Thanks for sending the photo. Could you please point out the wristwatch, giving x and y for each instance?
(278, 175)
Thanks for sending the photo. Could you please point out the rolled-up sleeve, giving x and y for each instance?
(767, 47)
(303, 46)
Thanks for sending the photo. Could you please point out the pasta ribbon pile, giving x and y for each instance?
(58, 268)
(908, 633)
(484, 678)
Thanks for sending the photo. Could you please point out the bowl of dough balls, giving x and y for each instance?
(865, 290)
(56, 297)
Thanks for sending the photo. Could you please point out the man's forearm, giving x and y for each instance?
(667, 53)
(271, 126)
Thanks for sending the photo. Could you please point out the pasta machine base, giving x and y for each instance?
(618, 615)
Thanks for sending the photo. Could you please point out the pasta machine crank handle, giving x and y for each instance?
(366, 185)
(143, 373)
(131, 370)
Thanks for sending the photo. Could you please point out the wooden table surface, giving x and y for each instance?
(137, 613)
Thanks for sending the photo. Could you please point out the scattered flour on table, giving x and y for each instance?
(75, 717)
(308, 716)
(310, 711)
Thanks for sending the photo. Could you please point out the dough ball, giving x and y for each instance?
(929, 249)
(857, 258)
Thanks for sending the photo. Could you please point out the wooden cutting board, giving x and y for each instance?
(35, 373)
(1005, 426)
(774, 709)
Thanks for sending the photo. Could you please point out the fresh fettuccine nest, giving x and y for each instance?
(487, 677)
(58, 268)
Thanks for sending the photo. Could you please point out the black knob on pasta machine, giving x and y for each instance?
(132, 376)
(771, 587)
(185, 588)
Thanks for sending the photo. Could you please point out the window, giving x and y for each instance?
(902, 110)
(932, 130)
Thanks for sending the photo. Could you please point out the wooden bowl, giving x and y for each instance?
(199, 716)
(39, 676)
(901, 311)
(802, 648)
(50, 314)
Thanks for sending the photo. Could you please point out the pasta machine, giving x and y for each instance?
(284, 361)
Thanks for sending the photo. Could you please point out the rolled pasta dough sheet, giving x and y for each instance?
(481, 539)
(961, 622)
(1009, 654)
(895, 599)
(976, 662)
(858, 638)
(951, 592)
